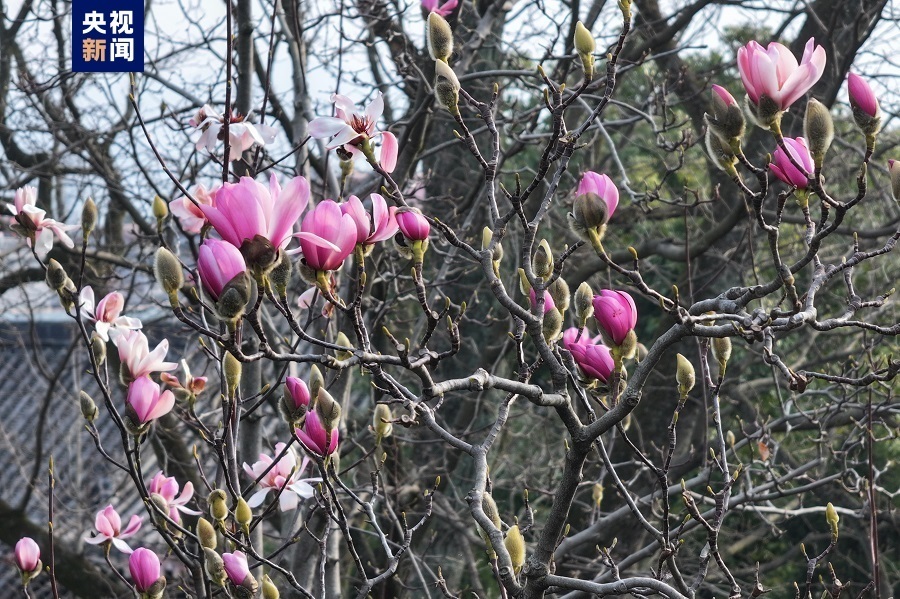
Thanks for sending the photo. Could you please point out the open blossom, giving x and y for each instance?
(280, 476)
(327, 236)
(143, 565)
(135, 354)
(28, 555)
(106, 314)
(784, 169)
(247, 209)
(241, 134)
(218, 263)
(192, 384)
(190, 216)
(370, 229)
(236, 567)
(773, 72)
(440, 8)
(109, 529)
(353, 130)
(314, 436)
(31, 222)
(601, 186)
(167, 488)
(413, 224)
(146, 402)
(616, 315)
(575, 336)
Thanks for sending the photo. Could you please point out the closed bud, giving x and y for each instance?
(729, 438)
(160, 208)
(234, 298)
(727, 118)
(629, 346)
(490, 509)
(215, 567)
(684, 375)
(98, 349)
(542, 261)
(232, 368)
(218, 508)
(89, 217)
(269, 590)
(721, 350)
(316, 381)
(559, 291)
(831, 516)
(819, 130)
(440, 38)
(515, 546)
(169, 274)
(243, 515)
(584, 304)
(597, 494)
(56, 275)
(280, 276)
(589, 211)
(720, 153)
(524, 285)
(343, 341)
(328, 409)
(446, 87)
(585, 46)
(497, 254)
(157, 589)
(89, 409)
(381, 422)
(206, 533)
(552, 325)
(894, 170)
(162, 506)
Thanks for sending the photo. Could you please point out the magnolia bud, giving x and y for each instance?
(343, 341)
(56, 275)
(628, 347)
(269, 590)
(89, 217)
(819, 130)
(231, 366)
(559, 291)
(590, 211)
(161, 504)
(160, 208)
(542, 261)
(552, 325)
(157, 589)
(89, 409)
(440, 38)
(486, 235)
(234, 297)
(316, 381)
(168, 274)
(729, 438)
(515, 546)
(585, 46)
(280, 276)
(206, 534)
(524, 285)
(328, 409)
(490, 509)
(684, 375)
(381, 422)
(894, 170)
(721, 350)
(243, 515)
(597, 494)
(446, 87)
(215, 567)
(831, 516)
(727, 118)
(584, 304)
(98, 349)
(218, 508)
(721, 154)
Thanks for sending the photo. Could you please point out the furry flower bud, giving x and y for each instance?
(585, 46)
(215, 567)
(727, 118)
(542, 261)
(169, 274)
(280, 276)
(269, 590)
(343, 341)
(243, 515)
(316, 380)
(894, 170)
(818, 129)
(218, 508)
(721, 153)
(721, 350)
(381, 422)
(89, 409)
(232, 368)
(206, 533)
(98, 349)
(562, 296)
(831, 516)
(684, 375)
(515, 546)
(552, 326)
(328, 410)
(56, 275)
(160, 208)
(446, 87)
(440, 38)
(89, 217)
(584, 304)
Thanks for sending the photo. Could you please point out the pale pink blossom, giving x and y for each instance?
(283, 475)
(189, 215)
(861, 95)
(193, 384)
(315, 438)
(601, 186)
(375, 227)
(28, 555)
(218, 263)
(782, 167)
(242, 135)
(774, 72)
(167, 488)
(327, 236)
(106, 314)
(243, 210)
(351, 129)
(32, 223)
(146, 402)
(616, 315)
(135, 354)
(440, 8)
(413, 224)
(144, 567)
(236, 567)
(109, 529)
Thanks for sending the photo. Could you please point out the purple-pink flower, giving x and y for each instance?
(241, 134)
(218, 262)
(146, 401)
(283, 475)
(601, 186)
(31, 222)
(327, 236)
(28, 555)
(576, 336)
(616, 315)
(861, 95)
(352, 129)
(107, 314)
(375, 227)
(784, 169)
(109, 529)
(167, 488)
(236, 567)
(314, 436)
(593, 358)
(773, 72)
(440, 8)
(144, 567)
(135, 354)
(243, 210)
(298, 391)
(724, 94)
(190, 216)
(413, 224)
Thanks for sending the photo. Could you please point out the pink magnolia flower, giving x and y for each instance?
(283, 475)
(575, 336)
(783, 168)
(243, 210)
(413, 224)
(167, 488)
(616, 315)
(313, 436)
(109, 529)
(192, 384)
(241, 134)
(442, 9)
(327, 236)
(724, 94)
(601, 186)
(218, 262)
(352, 129)
(135, 354)
(236, 567)
(190, 216)
(370, 229)
(106, 315)
(28, 555)
(146, 401)
(773, 72)
(861, 95)
(593, 359)
(299, 392)
(31, 222)
(548, 300)
(144, 567)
